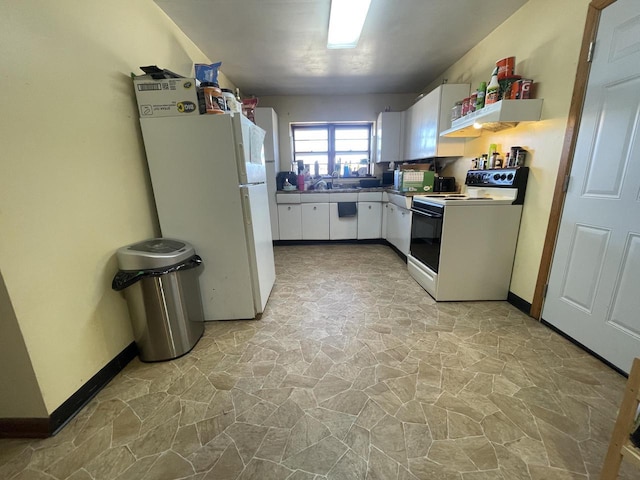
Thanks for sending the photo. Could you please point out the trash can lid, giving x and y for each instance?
(153, 253)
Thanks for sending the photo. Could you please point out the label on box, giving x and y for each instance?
(417, 181)
(166, 97)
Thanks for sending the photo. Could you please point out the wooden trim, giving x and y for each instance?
(601, 4)
(568, 150)
(619, 446)
(24, 427)
(48, 426)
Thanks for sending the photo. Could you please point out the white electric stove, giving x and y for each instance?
(463, 245)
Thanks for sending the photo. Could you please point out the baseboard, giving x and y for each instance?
(519, 303)
(374, 241)
(24, 427)
(398, 252)
(45, 427)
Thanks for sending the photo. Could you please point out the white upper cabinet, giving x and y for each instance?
(267, 119)
(427, 118)
(389, 136)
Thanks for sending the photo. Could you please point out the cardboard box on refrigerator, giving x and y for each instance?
(166, 97)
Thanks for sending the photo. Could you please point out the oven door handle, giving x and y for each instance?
(430, 215)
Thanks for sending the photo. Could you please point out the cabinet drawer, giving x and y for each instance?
(287, 198)
(369, 196)
(314, 198)
(343, 197)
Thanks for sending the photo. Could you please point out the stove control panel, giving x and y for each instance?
(500, 177)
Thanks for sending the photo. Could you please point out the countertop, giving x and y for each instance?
(352, 190)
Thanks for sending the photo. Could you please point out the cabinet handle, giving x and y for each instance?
(288, 208)
(315, 208)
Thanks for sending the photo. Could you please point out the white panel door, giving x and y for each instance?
(593, 292)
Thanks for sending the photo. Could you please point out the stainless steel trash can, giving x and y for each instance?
(160, 281)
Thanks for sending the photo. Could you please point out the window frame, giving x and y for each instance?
(332, 153)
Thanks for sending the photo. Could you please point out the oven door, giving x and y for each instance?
(426, 233)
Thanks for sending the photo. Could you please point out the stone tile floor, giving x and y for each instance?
(353, 372)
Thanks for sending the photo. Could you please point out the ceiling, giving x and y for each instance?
(278, 47)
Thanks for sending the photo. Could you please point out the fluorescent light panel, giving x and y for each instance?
(346, 21)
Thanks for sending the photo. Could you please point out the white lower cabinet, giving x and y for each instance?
(399, 227)
(290, 221)
(369, 220)
(383, 227)
(315, 221)
(341, 228)
(314, 216)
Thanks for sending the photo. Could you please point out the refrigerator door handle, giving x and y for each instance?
(246, 211)
(243, 167)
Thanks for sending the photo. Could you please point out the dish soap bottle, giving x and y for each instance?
(493, 89)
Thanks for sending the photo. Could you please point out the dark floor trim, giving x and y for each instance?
(74, 404)
(398, 252)
(519, 303)
(586, 349)
(24, 428)
(374, 241)
(48, 426)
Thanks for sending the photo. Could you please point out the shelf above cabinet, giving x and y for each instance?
(495, 117)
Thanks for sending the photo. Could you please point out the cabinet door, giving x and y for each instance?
(389, 137)
(412, 144)
(392, 224)
(342, 228)
(385, 210)
(315, 221)
(290, 221)
(404, 230)
(427, 118)
(369, 220)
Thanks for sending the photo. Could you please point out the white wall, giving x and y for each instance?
(74, 184)
(545, 38)
(328, 108)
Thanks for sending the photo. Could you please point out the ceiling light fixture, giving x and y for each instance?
(346, 21)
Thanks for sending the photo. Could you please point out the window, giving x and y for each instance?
(332, 145)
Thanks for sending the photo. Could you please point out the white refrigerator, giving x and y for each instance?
(267, 119)
(209, 184)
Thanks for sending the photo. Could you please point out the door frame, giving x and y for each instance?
(568, 149)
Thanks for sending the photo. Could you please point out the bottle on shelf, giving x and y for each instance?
(493, 89)
(482, 91)
(484, 162)
(495, 161)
